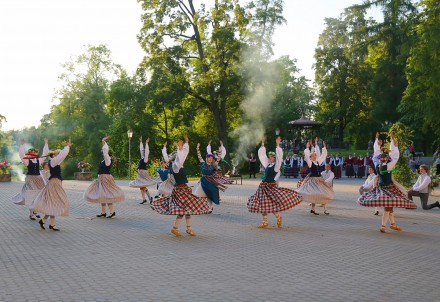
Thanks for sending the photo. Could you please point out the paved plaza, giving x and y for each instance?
(133, 257)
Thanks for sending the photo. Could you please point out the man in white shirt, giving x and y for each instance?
(421, 189)
(328, 175)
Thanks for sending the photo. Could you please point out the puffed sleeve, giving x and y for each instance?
(165, 154)
(60, 157)
(263, 156)
(180, 158)
(107, 158)
(146, 153)
(279, 158)
(323, 155)
(307, 157)
(394, 154)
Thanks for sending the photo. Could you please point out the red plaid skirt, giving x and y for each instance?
(387, 196)
(221, 179)
(270, 198)
(181, 202)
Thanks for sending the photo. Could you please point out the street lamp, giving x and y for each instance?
(277, 131)
(130, 135)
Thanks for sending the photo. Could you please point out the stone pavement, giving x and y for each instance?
(133, 257)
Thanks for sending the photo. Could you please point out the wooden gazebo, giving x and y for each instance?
(303, 128)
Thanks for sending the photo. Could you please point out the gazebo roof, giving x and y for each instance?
(304, 123)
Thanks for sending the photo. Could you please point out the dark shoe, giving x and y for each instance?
(313, 212)
(143, 201)
(151, 200)
(101, 215)
(157, 196)
(376, 213)
(437, 204)
(31, 217)
(111, 215)
(41, 224)
(326, 212)
(53, 227)
(36, 215)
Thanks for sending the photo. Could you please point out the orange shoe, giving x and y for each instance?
(263, 225)
(395, 227)
(190, 232)
(280, 222)
(175, 231)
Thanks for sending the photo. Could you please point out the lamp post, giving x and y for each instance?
(277, 131)
(130, 135)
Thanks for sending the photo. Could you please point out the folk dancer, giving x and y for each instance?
(167, 185)
(208, 185)
(181, 202)
(143, 180)
(296, 165)
(33, 182)
(386, 194)
(52, 200)
(288, 167)
(338, 162)
(313, 189)
(104, 190)
(270, 198)
(369, 184)
(361, 167)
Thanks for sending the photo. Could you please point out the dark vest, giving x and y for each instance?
(314, 170)
(269, 174)
(142, 165)
(55, 172)
(384, 177)
(103, 169)
(179, 177)
(163, 174)
(33, 168)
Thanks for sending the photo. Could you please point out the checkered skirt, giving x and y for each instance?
(314, 190)
(221, 179)
(143, 179)
(270, 198)
(386, 196)
(181, 202)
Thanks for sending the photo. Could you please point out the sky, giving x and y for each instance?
(38, 36)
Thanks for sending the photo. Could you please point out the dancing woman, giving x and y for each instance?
(104, 190)
(167, 185)
(181, 202)
(143, 180)
(52, 200)
(209, 185)
(313, 189)
(270, 198)
(33, 182)
(386, 194)
(219, 155)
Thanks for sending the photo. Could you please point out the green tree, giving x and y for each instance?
(421, 102)
(198, 51)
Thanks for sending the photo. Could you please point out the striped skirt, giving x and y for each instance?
(166, 187)
(314, 190)
(386, 196)
(33, 184)
(104, 190)
(143, 179)
(270, 198)
(52, 200)
(181, 202)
